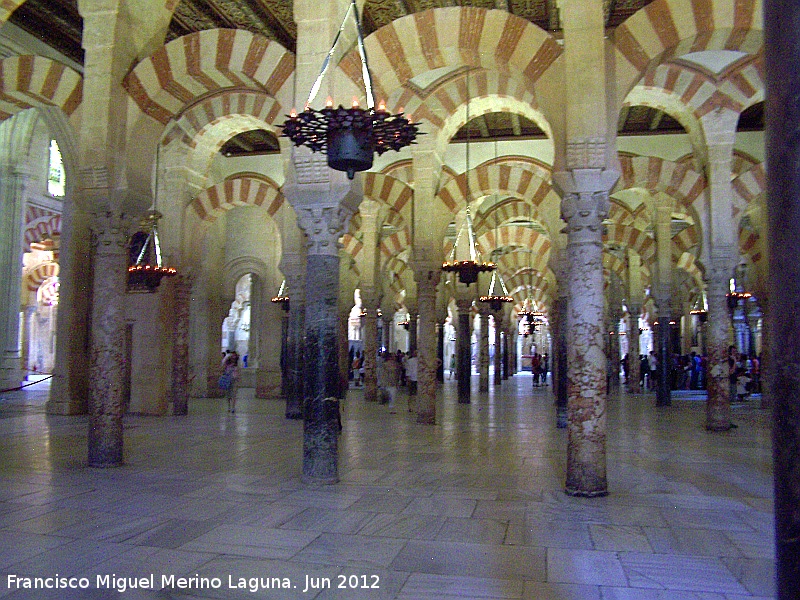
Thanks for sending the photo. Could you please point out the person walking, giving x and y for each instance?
(412, 364)
(229, 381)
(390, 371)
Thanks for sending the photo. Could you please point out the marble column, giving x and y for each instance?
(560, 380)
(182, 290)
(426, 275)
(663, 351)
(12, 189)
(504, 362)
(498, 347)
(322, 212)
(440, 352)
(483, 350)
(634, 366)
(463, 349)
(107, 354)
(293, 267)
(718, 404)
(781, 56)
(369, 306)
(614, 316)
(285, 351)
(412, 329)
(344, 350)
(584, 206)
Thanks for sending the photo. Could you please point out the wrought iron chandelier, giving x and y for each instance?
(349, 136)
(282, 298)
(467, 270)
(495, 301)
(147, 270)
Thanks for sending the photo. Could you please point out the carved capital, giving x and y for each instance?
(323, 227)
(109, 232)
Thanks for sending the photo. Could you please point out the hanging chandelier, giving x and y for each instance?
(495, 301)
(349, 136)
(282, 298)
(146, 269)
(467, 270)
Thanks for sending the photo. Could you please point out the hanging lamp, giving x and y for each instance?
(349, 136)
(282, 298)
(495, 301)
(146, 269)
(467, 269)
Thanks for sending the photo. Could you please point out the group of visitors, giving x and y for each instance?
(688, 372)
(395, 370)
(540, 365)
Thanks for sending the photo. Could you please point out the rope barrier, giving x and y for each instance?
(20, 387)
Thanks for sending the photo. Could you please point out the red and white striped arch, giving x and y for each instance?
(201, 63)
(630, 237)
(677, 180)
(501, 179)
(351, 245)
(393, 192)
(451, 37)
(35, 82)
(667, 28)
(750, 185)
(507, 211)
(237, 191)
(522, 261)
(516, 237)
(39, 274)
(40, 224)
(191, 124)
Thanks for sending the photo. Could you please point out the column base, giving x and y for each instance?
(318, 481)
(719, 427)
(426, 418)
(585, 494)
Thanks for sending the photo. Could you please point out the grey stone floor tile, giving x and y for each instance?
(246, 540)
(479, 560)
(352, 550)
(475, 531)
(679, 573)
(619, 538)
(421, 585)
(584, 567)
(535, 590)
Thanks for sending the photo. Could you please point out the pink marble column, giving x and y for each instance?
(718, 405)
(584, 206)
(427, 276)
(370, 306)
(483, 350)
(181, 289)
(107, 353)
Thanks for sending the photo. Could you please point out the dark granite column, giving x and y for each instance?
(412, 328)
(505, 355)
(293, 267)
(427, 275)
(718, 404)
(498, 347)
(634, 366)
(464, 355)
(664, 353)
(285, 352)
(182, 289)
(440, 352)
(483, 350)
(107, 353)
(781, 57)
(584, 206)
(322, 212)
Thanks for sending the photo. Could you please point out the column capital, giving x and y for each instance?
(464, 304)
(721, 263)
(427, 275)
(323, 210)
(585, 201)
(110, 229)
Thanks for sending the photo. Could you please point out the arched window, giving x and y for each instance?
(56, 178)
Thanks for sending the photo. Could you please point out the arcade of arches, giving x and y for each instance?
(603, 229)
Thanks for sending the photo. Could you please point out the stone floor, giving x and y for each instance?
(470, 508)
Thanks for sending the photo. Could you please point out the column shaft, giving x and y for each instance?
(464, 370)
(483, 349)
(498, 348)
(182, 289)
(107, 362)
(320, 410)
(718, 405)
(427, 277)
(370, 350)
